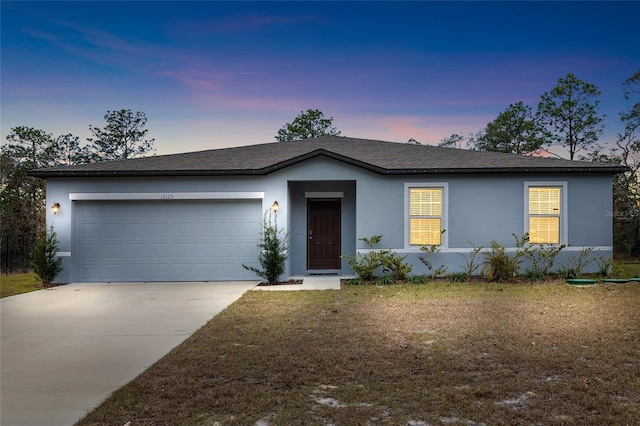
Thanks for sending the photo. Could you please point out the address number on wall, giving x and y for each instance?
(166, 196)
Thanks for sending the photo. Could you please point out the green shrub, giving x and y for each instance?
(541, 256)
(575, 265)
(386, 280)
(365, 265)
(274, 251)
(43, 259)
(418, 279)
(498, 265)
(605, 266)
(394, 264)
(470, 265)
(459, 277)
(430, 250)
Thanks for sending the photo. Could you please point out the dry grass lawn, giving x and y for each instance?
(441, 353)
(13, 284)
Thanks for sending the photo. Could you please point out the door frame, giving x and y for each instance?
(308, 232)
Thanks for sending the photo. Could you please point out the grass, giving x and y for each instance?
(13, 284)
(439, 353)
(626, 269)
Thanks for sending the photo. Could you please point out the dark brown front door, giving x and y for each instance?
(323, 234)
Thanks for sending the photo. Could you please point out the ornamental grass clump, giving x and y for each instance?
(274, 251)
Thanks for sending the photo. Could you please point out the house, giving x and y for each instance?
(196, 216)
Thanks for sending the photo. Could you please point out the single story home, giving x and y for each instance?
(196, 216)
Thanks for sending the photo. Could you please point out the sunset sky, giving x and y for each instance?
(220, 74)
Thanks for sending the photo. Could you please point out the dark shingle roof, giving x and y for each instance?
(378, 156)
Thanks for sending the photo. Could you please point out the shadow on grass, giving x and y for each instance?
(429, 354)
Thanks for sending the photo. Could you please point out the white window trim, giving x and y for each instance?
(564, 206)
(444, 242)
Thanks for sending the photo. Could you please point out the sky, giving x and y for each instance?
(220, 74)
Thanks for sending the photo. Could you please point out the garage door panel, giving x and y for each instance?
(166, 241)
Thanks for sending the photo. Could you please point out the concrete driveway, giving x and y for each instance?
(65, 349)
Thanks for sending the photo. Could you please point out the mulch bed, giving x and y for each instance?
(289, 282)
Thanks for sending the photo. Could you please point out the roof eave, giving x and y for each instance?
(43, 174)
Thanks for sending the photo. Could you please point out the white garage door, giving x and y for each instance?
(120, 241)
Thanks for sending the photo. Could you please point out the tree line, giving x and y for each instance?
(567, 120)
(566, 117)
(566, 123)
(22, 197)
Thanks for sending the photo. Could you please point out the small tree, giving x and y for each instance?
(274, 251)
(44, 261)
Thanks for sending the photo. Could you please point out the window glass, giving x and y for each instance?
(425, 216)
(544, 215)
(544, 201)
(544, 230)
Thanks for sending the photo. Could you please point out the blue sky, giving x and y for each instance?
(219, 74)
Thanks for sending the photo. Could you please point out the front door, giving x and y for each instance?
(323, 234)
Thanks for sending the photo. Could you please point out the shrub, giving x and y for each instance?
(498, 265)
(43, 259)
(386, 280)
(273, 253)
(542, 258)
(574, 266)
(418, 279)
(430, 250)
(365, 265)
(395, 265)
(470, 266)
(605, 266)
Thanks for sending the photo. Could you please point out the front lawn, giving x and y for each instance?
(626, 269)
(13, 284)
(440, 353)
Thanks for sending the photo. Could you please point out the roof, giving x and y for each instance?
(387, 158)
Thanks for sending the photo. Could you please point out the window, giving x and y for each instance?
(545, 214)
(425, 215)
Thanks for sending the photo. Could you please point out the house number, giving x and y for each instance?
(166, 196)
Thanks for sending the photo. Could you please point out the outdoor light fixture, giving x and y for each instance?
(275, 206)
(55, 208)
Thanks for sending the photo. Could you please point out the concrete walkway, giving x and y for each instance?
(65, 349)
(309, 282)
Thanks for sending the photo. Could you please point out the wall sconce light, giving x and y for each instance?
(275, 206)
(55, 208)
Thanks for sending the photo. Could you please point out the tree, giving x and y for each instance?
(514, 131)
(626, 186)
(123, 137)
(309, 124)
(273, 250)
(453, 141)
(45, 264)
(22, 198)
(67, 151)
(569, 113)
(460, 142)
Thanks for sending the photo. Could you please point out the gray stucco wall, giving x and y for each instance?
(480, 208)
